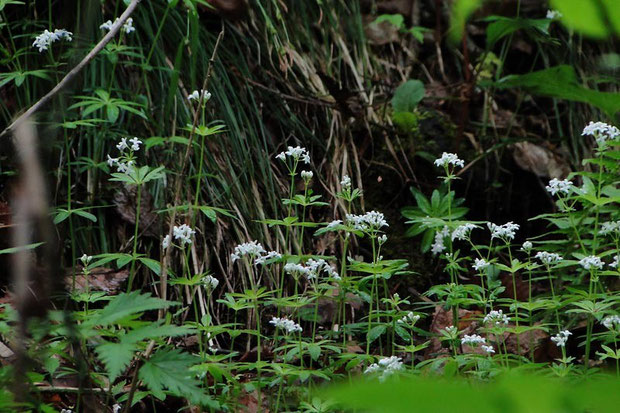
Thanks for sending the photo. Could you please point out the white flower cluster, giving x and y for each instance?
(266, 257)
(527, 246)
(553, 14)
(312, 270)
(452, 331)
(601, 131)
(306, 175)
(548, 258)
(127, 26)
(334, 224)
(345, 183)
(252, 249)
(210, 282)
(45, 39)
(386, 367)
(449, 159)
(505, 232)
(296, 153)
(497, 317)
(195, 96)
(488, 349)
(86, 259)
(480, 264)
(462, 231)
(611, 227)
(285, 324)
(561, 338)
(369, 222)
(472, 340)
(615, 262)
(559, 186)
(438, 245)
(591, 262)
(612, 322)
(125, 162)
(183, 233)
(116, 408)
(410, 319)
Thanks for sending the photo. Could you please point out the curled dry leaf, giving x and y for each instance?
(442, 318)
(100, 279)
(540, 160)
(125, 201)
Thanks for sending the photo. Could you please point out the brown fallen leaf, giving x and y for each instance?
(125, 201)
(99, 279)
(540, 160)
(442, 318)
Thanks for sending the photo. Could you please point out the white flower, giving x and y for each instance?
(382, 239)
(612, 322)
(610, 227)
(127, 26)
(590, 262)
(135, 144)
(195, 96)
(296, 153)
(472, 340)
(615, 262)
(289, 326)
(505, 232)
(45, 39)
(345, 183)
(312, 270)
(553, 14)
(410, 319)
(601, 131)
(462, 231)
(548, 258)
(369, 222)
(561, 338)
(452, 331)
(165, 243)
(387, 366)
(480, 264)
(86, 259)
(66, 411)
(438, 246)
(449, 159)
(306, 175)
(210, 282)
(270, 255)
(527, 246)
(183, 233)
(116, 408)
(488, 349)
(334, 224)
(555, 186)
(497, 317)
(112, 161)
(252, 249)
(122, 145)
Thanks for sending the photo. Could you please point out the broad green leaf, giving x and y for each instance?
(594, 18)
(407, 96)
(126, 304)
(116, 356)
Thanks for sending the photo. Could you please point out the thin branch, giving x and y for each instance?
(69, 76)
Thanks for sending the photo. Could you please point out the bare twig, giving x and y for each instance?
(69, 76)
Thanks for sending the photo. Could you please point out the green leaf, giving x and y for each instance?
(169, 369)
(503, 26)
(394, 19)
(594, 18)
(116, 356)
(126, 304)
(407, 96)
(314, 350)
(13, 250)
(375, 332)
(85, 214)
(561, 82)
(151, 264)
(461, 10)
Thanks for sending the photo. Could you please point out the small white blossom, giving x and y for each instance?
(591, 262)
(289, 326)
(556, 186)
(497, 317)
(601, 131)
(505, 232)
(116, 408)
(480, 264)
(252, 249)
(297, 153)
(369, 222)
(553, 14)
(45, 39)
(382, 239)
(449, 159)
(270, 255)
(306, 175)
(210, 282)
(127, 26)
(386, 366)
(345, 183)
(122, 145)
(527, 246)
(472, 340)
(561, 338)
(462, 231)
(334, 224)
(410, 319)
(135, 144)
(183, 233)
(86, 259)
(195, 96)
(615, 262)
(488, 349)
(611, 227)
(612, 322)
(165, 243)
(548, 258)
(438, 246)
(112, 161)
